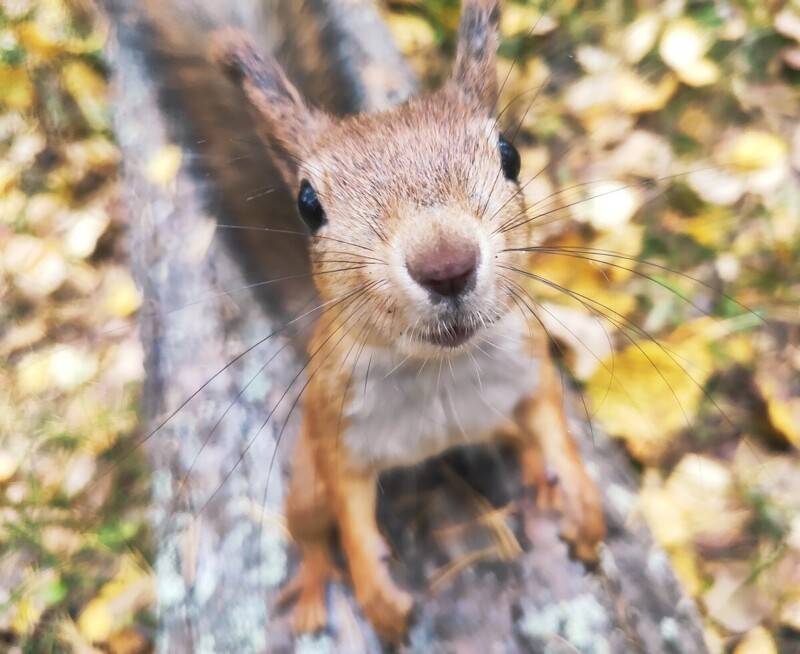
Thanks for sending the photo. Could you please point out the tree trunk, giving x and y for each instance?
(220, 462)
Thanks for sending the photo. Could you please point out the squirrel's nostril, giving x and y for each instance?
(445, 270)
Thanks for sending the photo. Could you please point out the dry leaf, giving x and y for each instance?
(412, 33)
(82, 236)
(683, 44)
(787, 22)
(757, 641)
(95, 620)
(650, 379)
(164, 165)
(122, 297)
(755, 150)
(8, 465)
(525, 19)
(733, 600)
(640, 36)
(608, 205)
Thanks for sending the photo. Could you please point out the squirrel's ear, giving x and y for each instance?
(475, 70)
(285, 123)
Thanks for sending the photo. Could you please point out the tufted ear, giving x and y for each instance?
(475, 70)
(285, 122)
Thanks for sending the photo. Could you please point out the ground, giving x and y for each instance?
(662, 154)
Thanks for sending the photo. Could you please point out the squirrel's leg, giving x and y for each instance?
(551, 462)
(353, 496)
(310, 522)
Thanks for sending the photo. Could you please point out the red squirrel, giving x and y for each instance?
(429, 347)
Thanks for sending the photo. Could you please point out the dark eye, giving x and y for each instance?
(509, 159)
(311, 210)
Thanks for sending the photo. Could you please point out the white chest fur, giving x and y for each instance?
(402, 412)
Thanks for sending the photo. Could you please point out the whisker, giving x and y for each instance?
(577, 251)
(204, 385)
(293, 233)
(357, 293)
(514, 223)
(624, 323)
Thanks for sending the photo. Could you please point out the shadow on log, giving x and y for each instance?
(220, 461)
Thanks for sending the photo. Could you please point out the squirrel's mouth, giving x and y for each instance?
(450, 335)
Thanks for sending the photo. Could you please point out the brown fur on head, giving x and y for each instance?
(410, 201)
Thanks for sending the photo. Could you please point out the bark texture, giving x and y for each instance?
(219, 464)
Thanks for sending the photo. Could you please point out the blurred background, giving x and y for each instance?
(661, 159)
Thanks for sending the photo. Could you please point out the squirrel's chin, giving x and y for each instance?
(450, 336)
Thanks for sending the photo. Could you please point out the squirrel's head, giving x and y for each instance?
(417, 210)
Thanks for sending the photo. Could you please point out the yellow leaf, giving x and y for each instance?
(739, 347)
(636, 95)
(687, 569)
(626, 241)
(122, 297)
(640, 36)
(608, 205)
(573, 280)
(683, 44)
(8, 466)
(648, 392)
(71, 367)
(710, 228)
(755, 149)
(81, 238)
(412, 33)
(757, 641)
(702, 72)
(127, 593)
(164, 165)
(16, 90)
(8, 178)
(666, 520)
(33, 374)
(525, 19)
(39, 42)
(88, 89)
(26, 617)
(785, 417)
(95, 621)
(534, 159)
(775, 380)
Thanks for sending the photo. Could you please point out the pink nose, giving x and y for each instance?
(446, 270)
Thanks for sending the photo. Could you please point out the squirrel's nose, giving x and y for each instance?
(445, 270)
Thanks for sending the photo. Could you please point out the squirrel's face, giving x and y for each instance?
(412, 206)
(410, 210)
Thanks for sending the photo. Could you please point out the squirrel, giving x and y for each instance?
(427, 345)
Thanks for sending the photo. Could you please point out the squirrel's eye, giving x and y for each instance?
(311, 210)
(509, 159)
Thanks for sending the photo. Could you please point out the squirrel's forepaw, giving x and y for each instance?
(386, 607)
(311, 612)
(582, 524)
(571, 492)
(308, 590)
